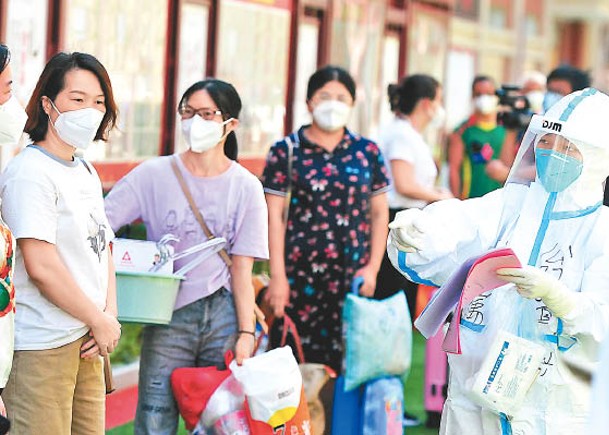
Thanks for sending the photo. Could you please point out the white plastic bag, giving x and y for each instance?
(272, 383)
(507, 373)
(228, 397)
(501, 355)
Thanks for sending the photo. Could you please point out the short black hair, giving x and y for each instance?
(481, 78)
(52, 81)
(5, 57)
(578, 78)
(405, 95)
(327, 74)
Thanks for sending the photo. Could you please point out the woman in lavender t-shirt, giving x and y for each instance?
(215, 302)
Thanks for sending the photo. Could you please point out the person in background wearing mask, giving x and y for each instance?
(215, 304)
(533, 88)
(12, 115)
(562, 81)
(337, 217)
(64, 274)
(554, 221)
(476, 144)
(417, 103)
(12, 121)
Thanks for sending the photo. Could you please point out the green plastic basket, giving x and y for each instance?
(145, 297)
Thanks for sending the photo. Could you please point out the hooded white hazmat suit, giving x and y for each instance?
(563, 233)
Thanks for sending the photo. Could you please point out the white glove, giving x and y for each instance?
(408, 230)
(534, 283)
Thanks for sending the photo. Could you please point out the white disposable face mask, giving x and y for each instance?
(486, 104)
(331, 115)
(535, 99)
(438, 118)
(12, 121)
(202, 135)
(78, 127)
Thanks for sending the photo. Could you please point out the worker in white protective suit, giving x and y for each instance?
(550, 214)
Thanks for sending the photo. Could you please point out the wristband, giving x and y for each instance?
(242, 331)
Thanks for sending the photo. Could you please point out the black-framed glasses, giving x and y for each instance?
(188, 112)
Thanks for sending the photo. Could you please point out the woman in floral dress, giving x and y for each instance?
(337, 219)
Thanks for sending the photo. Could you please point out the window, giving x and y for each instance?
(429, 36)
(389, 71)
(26, 38)
(498, 19)
(306, 65)
(194, 19)
(531, 25)
(357, 41)
(467, 8)
(130, 42)
(253, 46)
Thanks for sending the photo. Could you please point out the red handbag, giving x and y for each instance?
(193, 386)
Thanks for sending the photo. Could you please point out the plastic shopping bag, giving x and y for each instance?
(224, 411)
(314, 379)
(378, 337)
(272, 384)
(193, 387)
(507, 373)
(513, 360)
(299, 424)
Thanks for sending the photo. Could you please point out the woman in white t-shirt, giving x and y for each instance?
(64, 277)
(417, 103)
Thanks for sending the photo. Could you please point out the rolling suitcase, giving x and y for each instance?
(436, 379)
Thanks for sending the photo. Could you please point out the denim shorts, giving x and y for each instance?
(198, 335)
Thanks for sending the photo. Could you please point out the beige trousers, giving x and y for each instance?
(56, 392)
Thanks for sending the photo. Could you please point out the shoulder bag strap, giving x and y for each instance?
(288, 196)
(196, 211)
(223, 254)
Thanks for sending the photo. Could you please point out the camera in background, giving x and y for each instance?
(514, 108)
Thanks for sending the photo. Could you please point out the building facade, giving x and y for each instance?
(154, 49)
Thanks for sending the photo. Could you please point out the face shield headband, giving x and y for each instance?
(523, 169)
(546, 154)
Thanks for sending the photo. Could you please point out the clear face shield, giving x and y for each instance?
(547, 156)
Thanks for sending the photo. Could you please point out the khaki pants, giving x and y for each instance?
(56, 392)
